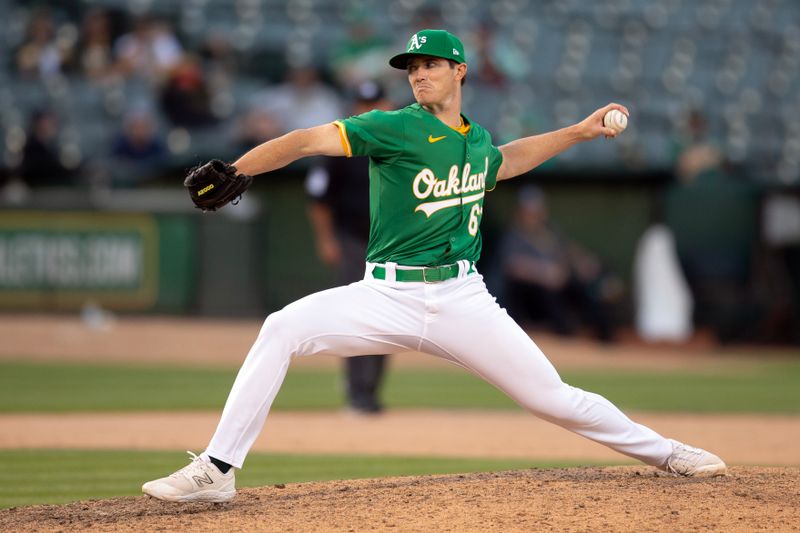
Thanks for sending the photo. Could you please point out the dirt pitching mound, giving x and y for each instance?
(578, 499)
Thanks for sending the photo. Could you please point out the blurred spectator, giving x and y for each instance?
(257, 126)
(714, 218)
(339, 214)
(42, 54)
(485, 70)
(218, 54)
(150, 51)
(498, 57)
(138, 149)
(697, 156)
(220, 65)
(302, 101)
(95, 57)
(185, 98)
(545, 274)
(427, 17)
(41, 164)
(361, 56)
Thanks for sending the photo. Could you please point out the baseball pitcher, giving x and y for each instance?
(430, 171)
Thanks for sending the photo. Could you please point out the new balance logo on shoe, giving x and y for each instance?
(201, 480)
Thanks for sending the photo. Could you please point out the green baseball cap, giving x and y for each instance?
(437, 43)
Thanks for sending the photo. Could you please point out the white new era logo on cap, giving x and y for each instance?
(455, 52)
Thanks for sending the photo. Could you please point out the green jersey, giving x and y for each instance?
(427, 184)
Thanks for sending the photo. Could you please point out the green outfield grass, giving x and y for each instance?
(60, 476)
(768, 387)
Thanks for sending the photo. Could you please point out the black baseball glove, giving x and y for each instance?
(215, 184)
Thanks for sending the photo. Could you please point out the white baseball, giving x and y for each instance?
(616, 120)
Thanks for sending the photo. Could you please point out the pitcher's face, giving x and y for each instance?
(433, 79)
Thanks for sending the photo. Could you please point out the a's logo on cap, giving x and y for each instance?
(416, 42)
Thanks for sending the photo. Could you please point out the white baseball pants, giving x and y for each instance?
(456, 319)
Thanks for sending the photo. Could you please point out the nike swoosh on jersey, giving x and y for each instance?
(432, 139)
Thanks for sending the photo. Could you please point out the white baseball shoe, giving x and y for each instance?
(688, 461)
(199, 481)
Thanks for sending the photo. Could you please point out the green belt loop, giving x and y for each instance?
(423, 274)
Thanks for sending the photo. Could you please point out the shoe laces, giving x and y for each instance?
(685, 454)
(196, 466)
(691, 450)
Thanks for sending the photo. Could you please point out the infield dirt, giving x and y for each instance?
(586, 499)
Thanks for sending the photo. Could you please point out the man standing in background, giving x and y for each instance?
(339, 214)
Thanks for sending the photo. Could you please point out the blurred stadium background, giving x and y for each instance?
(104, 105)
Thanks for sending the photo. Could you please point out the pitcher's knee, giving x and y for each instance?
(272, 322)
(278, 328)
(555, 404)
